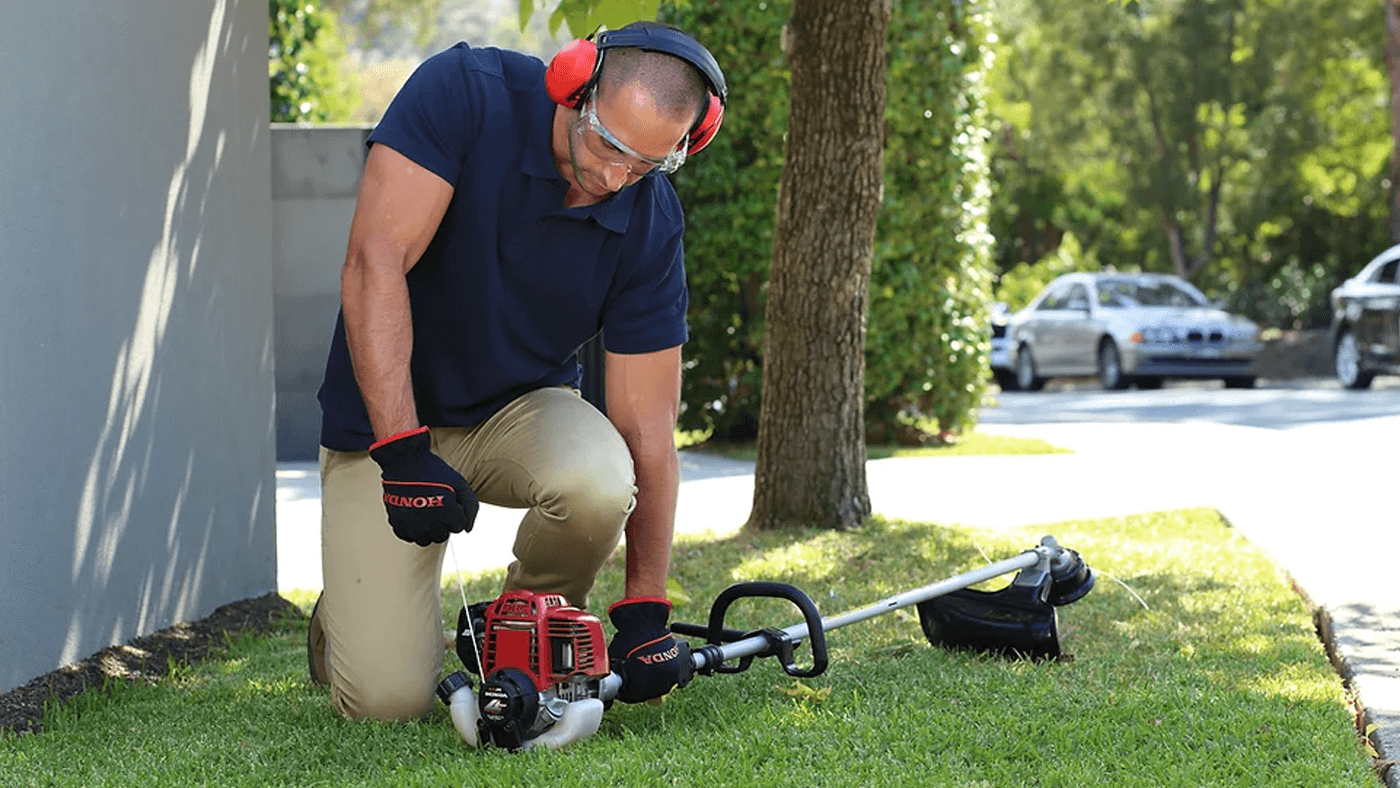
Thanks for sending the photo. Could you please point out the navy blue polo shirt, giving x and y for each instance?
(513, 283)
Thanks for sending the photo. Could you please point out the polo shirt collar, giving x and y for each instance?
(613, 213)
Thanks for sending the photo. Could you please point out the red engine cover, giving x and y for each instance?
(545, 636)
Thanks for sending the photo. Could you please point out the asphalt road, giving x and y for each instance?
(1272, 405)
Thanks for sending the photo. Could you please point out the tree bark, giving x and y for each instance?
(811, 437)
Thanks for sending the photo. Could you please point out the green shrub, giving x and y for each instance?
(931, 280)
(305, 50)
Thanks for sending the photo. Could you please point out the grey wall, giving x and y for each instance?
(315, 178)
(136, 344)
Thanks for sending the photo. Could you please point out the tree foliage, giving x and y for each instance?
(305, 51)
(374, 19)
(930, 280)
(582, 17)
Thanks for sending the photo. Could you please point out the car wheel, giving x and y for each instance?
(1005, 378)
(1149, 382)
(1347, 362)
(1111, 367)
(1242, 382)
(1026, 379)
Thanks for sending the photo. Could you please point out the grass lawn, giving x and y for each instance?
(1208, 674)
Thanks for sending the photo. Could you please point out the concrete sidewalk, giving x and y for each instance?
(1313, 498)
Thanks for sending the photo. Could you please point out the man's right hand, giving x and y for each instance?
(426, 499)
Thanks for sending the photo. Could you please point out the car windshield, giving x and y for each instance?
(1125, 293)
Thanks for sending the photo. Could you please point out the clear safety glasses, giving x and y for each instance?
(606, 146)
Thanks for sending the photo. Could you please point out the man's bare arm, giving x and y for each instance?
(399, 208)
(643, 397)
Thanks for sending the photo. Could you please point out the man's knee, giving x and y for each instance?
(400, 698)
(594, 496)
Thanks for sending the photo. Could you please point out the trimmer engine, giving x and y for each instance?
(539, 655)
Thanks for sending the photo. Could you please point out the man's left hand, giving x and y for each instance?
(643, 652)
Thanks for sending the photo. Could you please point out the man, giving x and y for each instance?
(507, 213)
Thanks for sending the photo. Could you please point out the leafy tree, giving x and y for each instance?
(929, 281)
(304, 54)
(1194, 136)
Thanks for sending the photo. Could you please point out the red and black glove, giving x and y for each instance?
(643, 652)
(426, 499)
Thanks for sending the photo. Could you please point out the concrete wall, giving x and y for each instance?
(315, 178)
(136, 344)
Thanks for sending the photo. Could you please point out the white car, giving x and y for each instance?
(1125, 329)
(1366, 322)
(999, 357)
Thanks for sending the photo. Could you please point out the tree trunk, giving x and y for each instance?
(811, 435)
(1392, 67)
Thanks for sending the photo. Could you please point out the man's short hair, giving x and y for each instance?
(677, 87)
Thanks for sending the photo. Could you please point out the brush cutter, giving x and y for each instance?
(545, 663)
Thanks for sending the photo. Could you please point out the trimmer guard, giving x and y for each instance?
(1013, 622)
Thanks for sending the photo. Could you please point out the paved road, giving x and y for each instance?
(1281, 405)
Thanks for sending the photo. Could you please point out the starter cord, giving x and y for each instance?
(466, 612)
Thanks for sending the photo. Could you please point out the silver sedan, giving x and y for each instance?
(1126, 328)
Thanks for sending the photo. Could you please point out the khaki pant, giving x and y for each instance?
(548, 451)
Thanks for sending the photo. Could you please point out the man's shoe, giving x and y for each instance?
(316, 648)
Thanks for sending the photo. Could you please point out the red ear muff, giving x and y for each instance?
(570, 71)
(574, 70)
(708, 126)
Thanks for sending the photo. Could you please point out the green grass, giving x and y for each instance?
(974, 443)
(1218, 681)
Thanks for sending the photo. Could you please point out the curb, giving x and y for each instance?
(1363, 668)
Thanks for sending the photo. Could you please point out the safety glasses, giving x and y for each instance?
(606, 146)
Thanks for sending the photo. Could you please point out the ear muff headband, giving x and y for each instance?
(573, 72)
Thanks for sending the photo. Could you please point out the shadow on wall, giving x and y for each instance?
(175, 512)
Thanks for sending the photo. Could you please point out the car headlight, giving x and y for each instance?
(1158, 334)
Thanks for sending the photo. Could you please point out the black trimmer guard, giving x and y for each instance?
(1017, 621)
(1013, 622)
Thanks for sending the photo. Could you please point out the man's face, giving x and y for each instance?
(620, 137)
